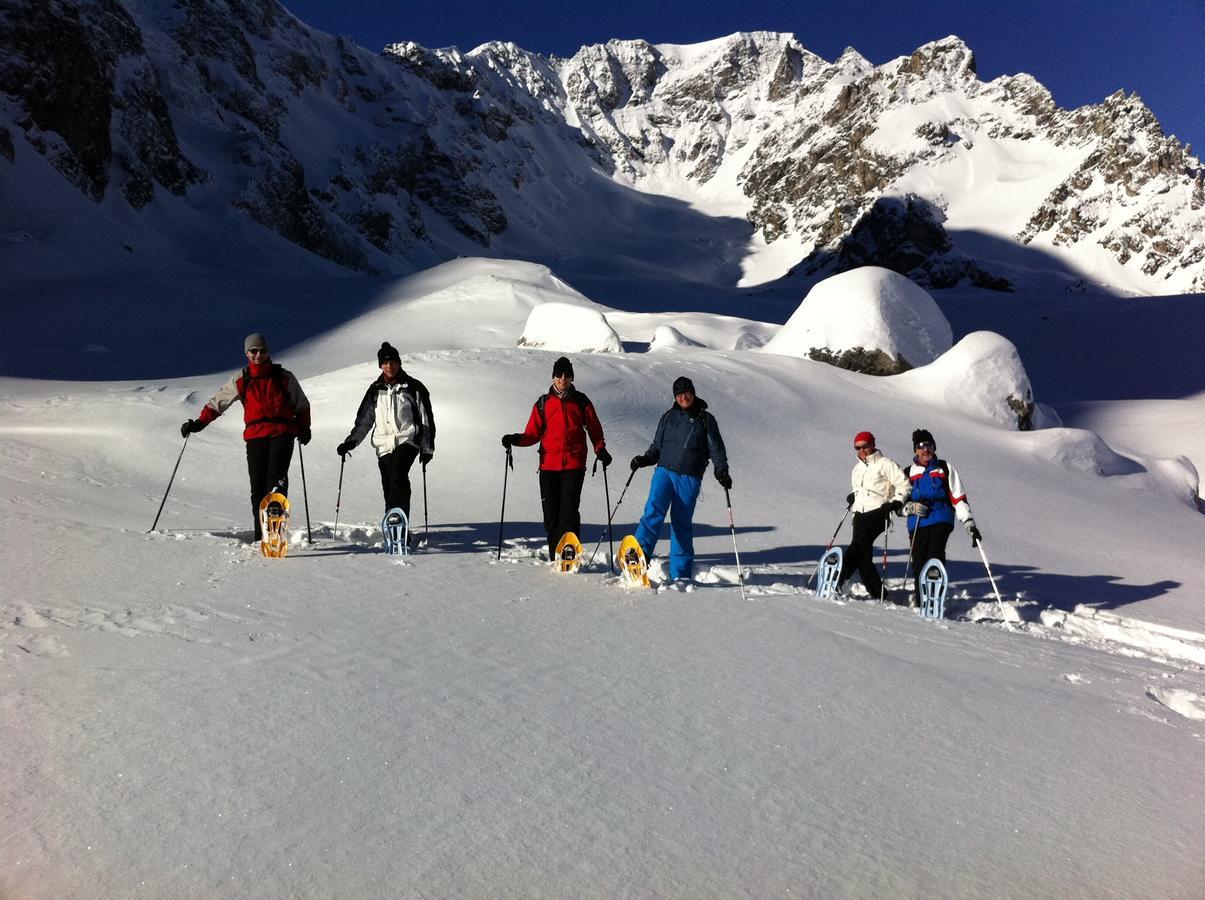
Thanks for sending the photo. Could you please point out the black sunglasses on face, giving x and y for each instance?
(925, 445)
(254, 350)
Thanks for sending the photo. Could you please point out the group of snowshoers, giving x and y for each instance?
(396, 412)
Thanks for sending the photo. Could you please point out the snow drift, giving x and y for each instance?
(982, 376)
(570, 329)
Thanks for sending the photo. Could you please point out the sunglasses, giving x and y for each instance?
(257, 350)
(925, 445)
(863, 446)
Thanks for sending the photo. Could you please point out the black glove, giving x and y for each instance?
(509, 440)
(425, 458)
(639, 462)
(604, 457)
(192, 426)
(724, 479)
(896, 506)
(849, 500)
(345, 448)
(973, 531)
(303, 435)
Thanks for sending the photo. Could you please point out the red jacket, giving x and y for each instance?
(561, 428)
(273, 402)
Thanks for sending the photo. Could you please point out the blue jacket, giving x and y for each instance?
(686, 439)
(938, 486)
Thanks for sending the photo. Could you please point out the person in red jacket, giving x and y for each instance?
(560, 422)
(275, 410)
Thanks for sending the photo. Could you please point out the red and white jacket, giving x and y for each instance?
(273, 402)
(561, 426)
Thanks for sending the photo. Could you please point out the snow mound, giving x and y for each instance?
(570, 329)
(667, 337)
(981, 376)
(1080, 450)
(872, 308)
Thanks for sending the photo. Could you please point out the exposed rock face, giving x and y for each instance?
(394, 160)
(1108, 199)
(61, 62)
(904, 234)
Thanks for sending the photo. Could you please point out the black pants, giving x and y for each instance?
(928, 543)
(860, 555)
(268, 462)
(395, 477)
(561, 495)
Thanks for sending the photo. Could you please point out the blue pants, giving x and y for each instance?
(676, 494)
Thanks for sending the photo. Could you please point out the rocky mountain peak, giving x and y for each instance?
(950, 57)
(411, 156)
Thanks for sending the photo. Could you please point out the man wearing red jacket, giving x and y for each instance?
(560, 422)
(275, 410)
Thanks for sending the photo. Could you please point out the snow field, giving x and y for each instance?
(189, 719)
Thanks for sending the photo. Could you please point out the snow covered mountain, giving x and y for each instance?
(227, 134)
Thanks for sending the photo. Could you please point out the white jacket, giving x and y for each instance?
(396, 419)
(877, 480)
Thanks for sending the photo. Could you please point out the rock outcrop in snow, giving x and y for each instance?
(870, 319)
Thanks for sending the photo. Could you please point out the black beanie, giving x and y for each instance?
(683, 384)
(922, 435)
(388, 352)
(562, 367)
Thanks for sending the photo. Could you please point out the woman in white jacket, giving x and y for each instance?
(880, 487)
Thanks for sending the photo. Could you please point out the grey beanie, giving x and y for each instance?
(255, 339)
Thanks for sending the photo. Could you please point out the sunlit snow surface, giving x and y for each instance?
(184, 718)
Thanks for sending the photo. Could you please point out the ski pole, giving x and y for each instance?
(829, 545)
(426, 524)
(990, 577)
(883, 580)
(339, 495)
(908, 567)
(740, 578)
(169, 483)
(305, 498)
(611, 517)
(509, 464)
(610, 536)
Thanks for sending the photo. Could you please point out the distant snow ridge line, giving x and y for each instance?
(397, 161)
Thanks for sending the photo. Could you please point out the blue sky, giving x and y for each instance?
(1082, 50)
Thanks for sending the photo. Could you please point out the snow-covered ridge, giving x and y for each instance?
(206, 130)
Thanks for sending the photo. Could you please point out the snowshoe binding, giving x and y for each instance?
(395, 528)
(828, 572)
(633, 566)
(568, 553)
(274, 525)
(933, 583)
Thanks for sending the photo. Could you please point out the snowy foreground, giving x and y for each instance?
(182, 718)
